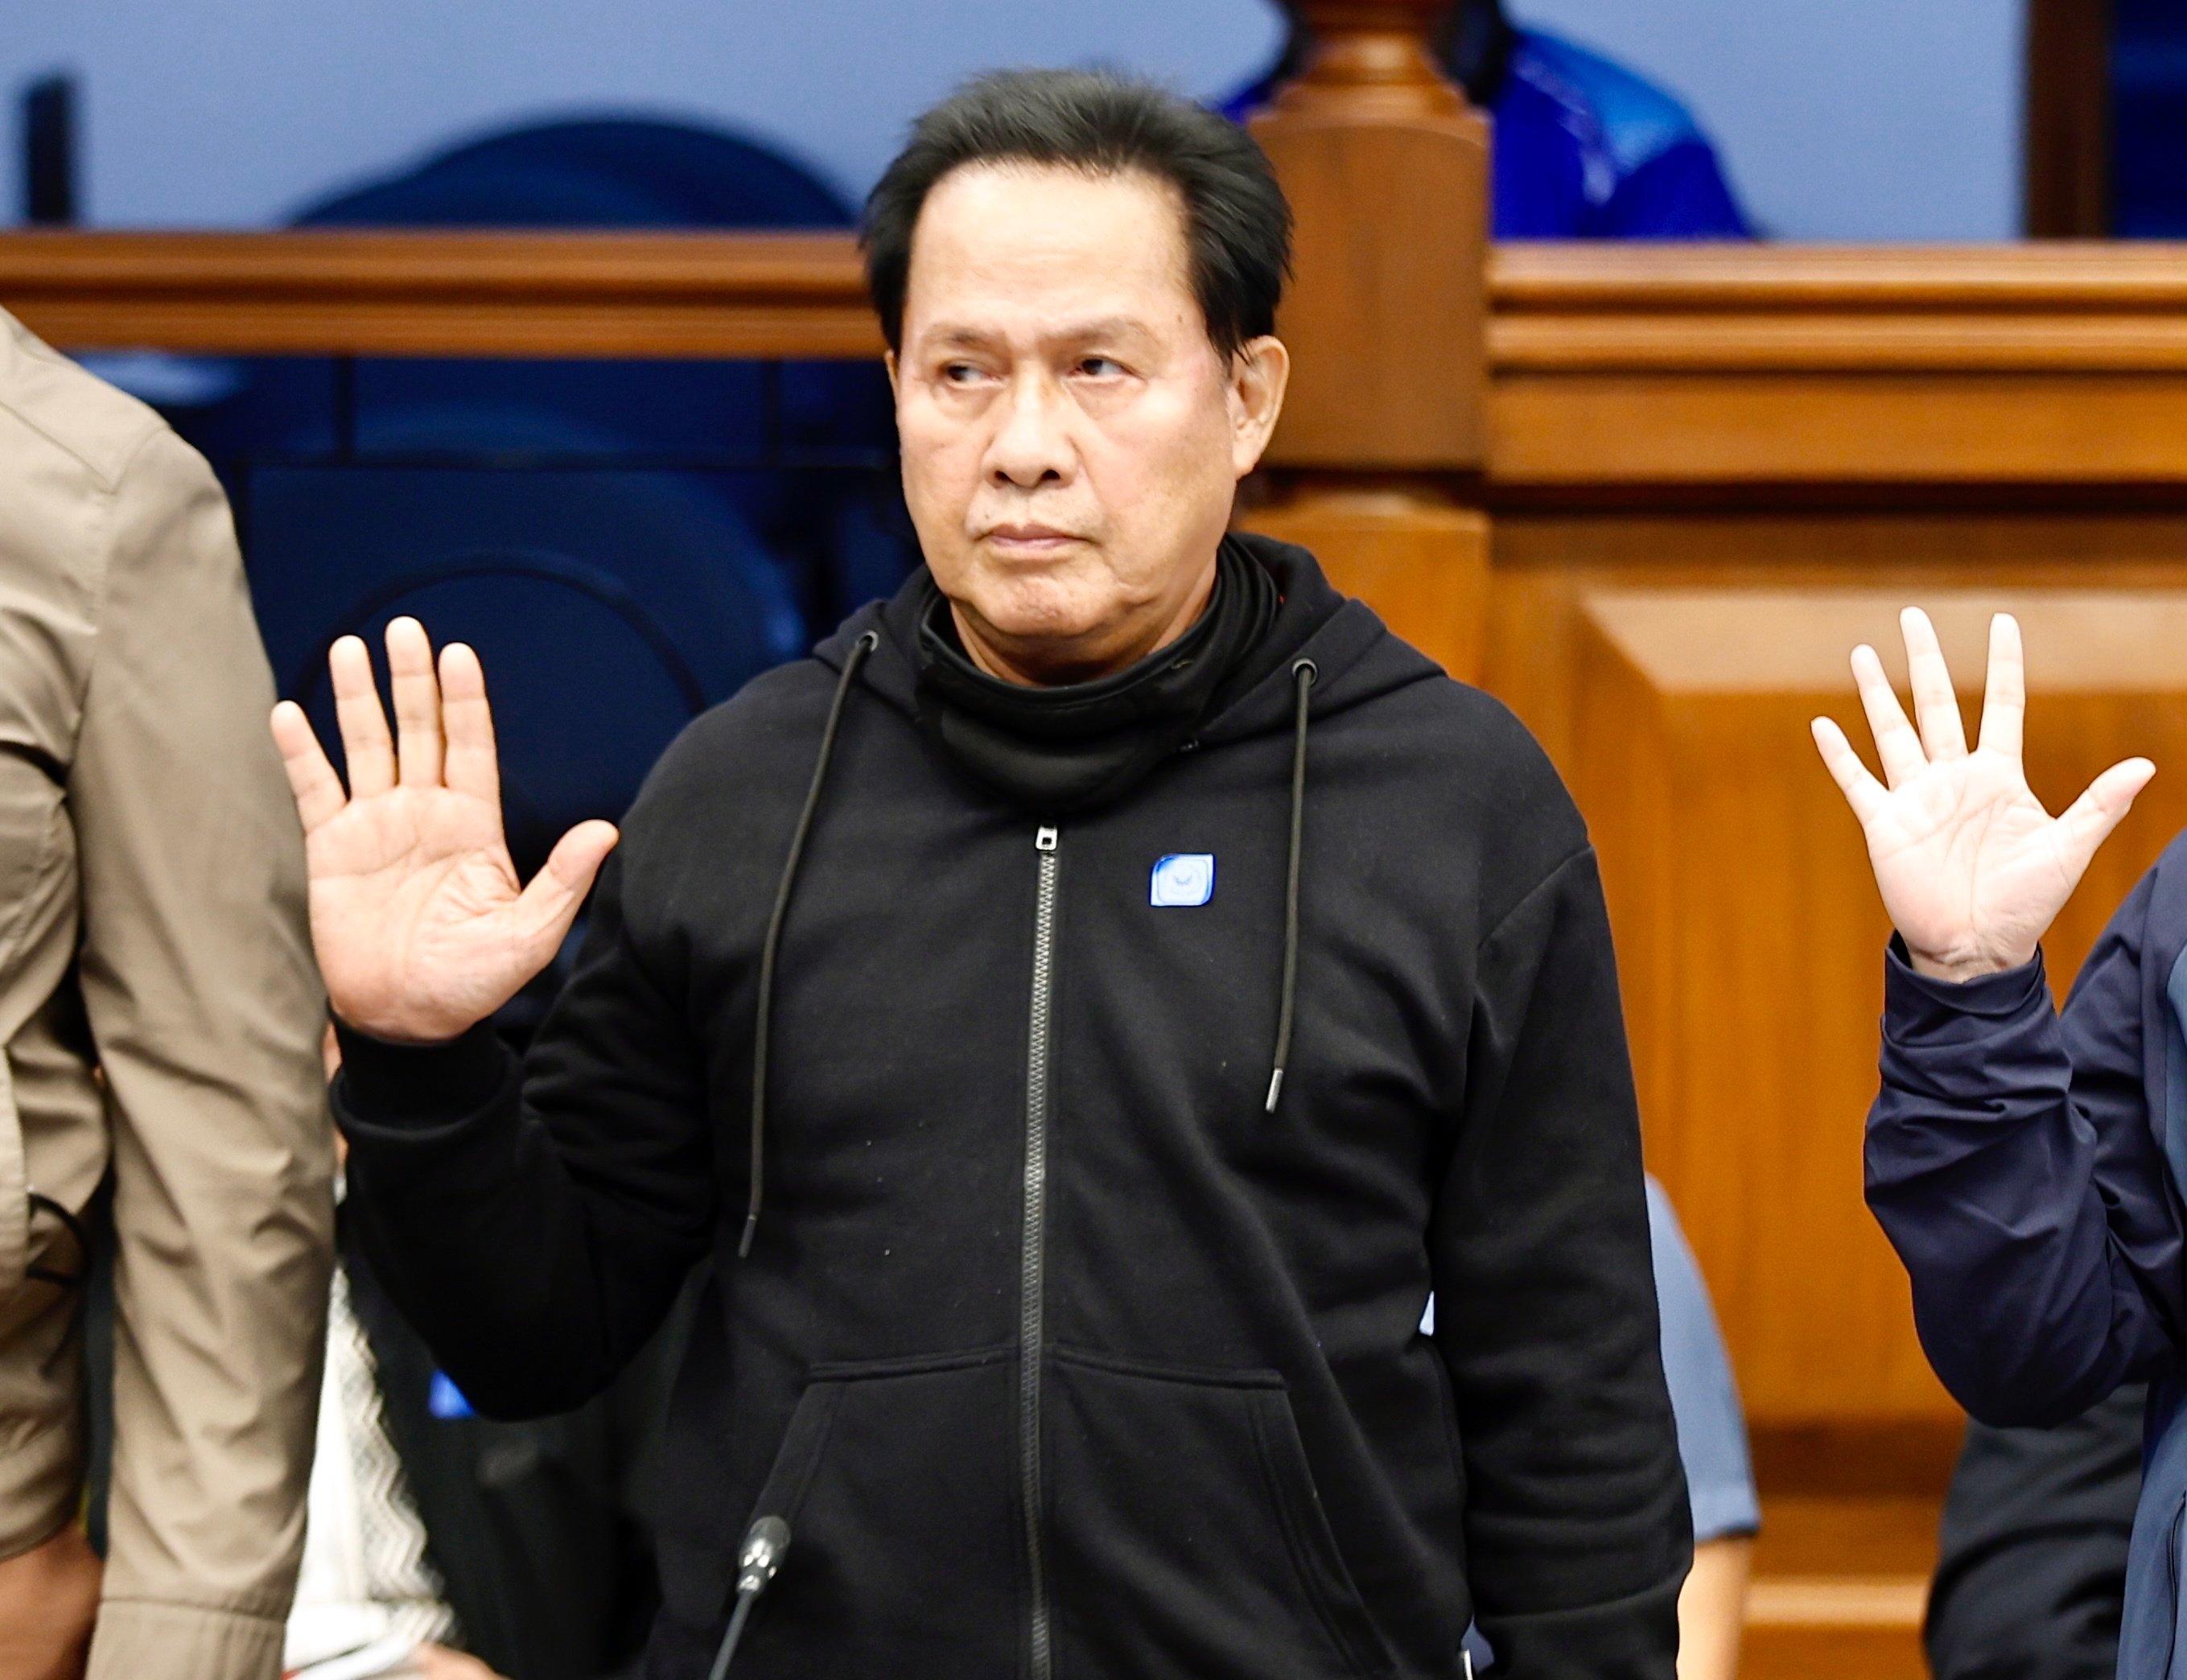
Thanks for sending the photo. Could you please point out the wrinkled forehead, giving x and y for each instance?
(1016, 250)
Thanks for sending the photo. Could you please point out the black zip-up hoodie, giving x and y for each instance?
(1060, 1351)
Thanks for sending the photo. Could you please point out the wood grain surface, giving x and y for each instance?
(443, 293)
(1386, 172)
(1670, 664)
(1421, 560)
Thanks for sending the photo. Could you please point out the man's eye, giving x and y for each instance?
(1101, 367)
(959, 372)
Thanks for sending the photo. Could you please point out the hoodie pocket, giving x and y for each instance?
(896, 1480)
(1190, 1539)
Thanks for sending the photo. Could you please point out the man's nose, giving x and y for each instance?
(1032, 447)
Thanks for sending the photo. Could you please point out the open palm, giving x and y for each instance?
(1971, 868)
(421, 923)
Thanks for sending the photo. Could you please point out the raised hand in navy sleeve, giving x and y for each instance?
(1971, 868)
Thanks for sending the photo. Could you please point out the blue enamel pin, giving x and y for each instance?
(1183, 878)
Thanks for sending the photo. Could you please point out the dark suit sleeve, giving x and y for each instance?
(1578, 1531)
(2012, 1163)
(2030, 1574)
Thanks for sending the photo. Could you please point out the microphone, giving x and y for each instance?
(765, 1542)
(758, 1560)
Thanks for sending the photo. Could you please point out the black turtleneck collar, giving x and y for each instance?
(1057, 750)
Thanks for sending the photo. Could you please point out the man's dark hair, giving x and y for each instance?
(1238, 227)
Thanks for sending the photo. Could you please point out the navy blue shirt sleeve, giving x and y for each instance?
(2012, 1163)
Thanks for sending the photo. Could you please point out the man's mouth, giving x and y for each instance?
(1030, 541)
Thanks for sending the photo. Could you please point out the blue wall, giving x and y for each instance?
(1857, 119)
(1890, 119)
(237, 111)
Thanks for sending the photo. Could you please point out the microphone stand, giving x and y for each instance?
(765, 1542)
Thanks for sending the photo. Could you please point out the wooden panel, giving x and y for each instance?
(1542, 563)
(1839, 1587)
(1857, 1458)
(1865, 1602)
(1751, 1090)
(1425, 192)
(1855, 429)
(1624, 369)
(1799, 1651)
(1815, 341)
(1576, 280)
(1744, 319)
(1422, 564)
(1751, 937)
(1386, 171)
(403, 294)
(1736, 367)
(1806, 1535)
(1854, 1433)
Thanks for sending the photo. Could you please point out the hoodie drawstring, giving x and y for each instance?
(859, 649)
(1303, 673)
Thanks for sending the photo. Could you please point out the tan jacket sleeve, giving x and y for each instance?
(205, 1004)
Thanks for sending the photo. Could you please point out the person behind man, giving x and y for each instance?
(1711, 1447)
(2024, 1164)
(2031, 1565)
(161, 1016)
(452, 1547)
(1585, 149)
(1083, 1011)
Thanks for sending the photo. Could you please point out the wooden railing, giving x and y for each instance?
(2026, 365)
(445, 294)
(2044, 365)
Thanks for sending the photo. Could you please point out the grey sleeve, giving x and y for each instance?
(1704, 1398)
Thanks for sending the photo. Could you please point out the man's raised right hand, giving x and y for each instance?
(421, 926)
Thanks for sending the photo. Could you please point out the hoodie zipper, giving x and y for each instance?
(1032, 1255)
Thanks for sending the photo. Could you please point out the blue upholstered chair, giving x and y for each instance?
(624, 542)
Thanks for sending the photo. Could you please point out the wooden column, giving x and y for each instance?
(2068, 164)
(1385, 432)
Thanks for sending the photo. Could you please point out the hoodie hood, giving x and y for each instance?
(1355, 656)
(1321, 654)
(1064, 748)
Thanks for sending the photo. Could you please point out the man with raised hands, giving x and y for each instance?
(2029, 1168)
(1081, 1014)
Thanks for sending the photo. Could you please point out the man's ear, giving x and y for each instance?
(888, 361)
(1260, 372)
